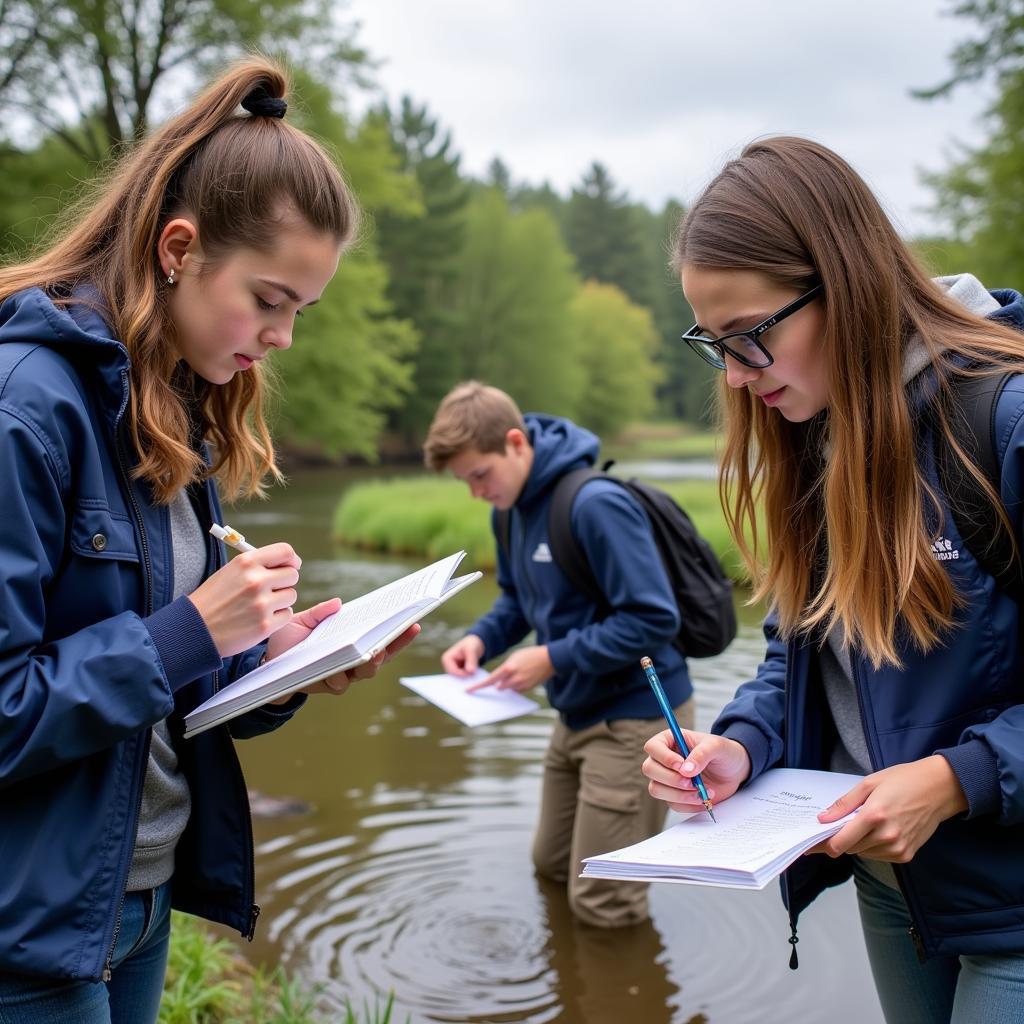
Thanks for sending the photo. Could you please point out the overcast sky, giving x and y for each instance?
(663, 91)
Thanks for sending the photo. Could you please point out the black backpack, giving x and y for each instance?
(702, 591)
(972, 413)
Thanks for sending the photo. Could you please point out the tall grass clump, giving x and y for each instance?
(423, 515)
(209, 982)
(432, 517)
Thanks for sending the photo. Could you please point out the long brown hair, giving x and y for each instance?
(844, 499)
(238, 175)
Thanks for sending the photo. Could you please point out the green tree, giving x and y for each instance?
(605, 234)
(35, 185)
(499, 176)
(513, 300)
(998, 50)
(687, 383)
(981, 193)
(97, 64)
(617, 345)
(352, 361)
(349, 366)
(421, 247)
(527, 197)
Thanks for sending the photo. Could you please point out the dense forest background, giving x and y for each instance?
(567, 301)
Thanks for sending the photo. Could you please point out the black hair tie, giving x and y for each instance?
(260, 103)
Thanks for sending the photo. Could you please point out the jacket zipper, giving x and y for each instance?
(912, 930)
(107, 972)
(254, 908)
(147, 585)
(794, 960)
(254, 913)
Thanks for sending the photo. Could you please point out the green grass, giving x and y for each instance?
(209, 982)
(431, 516)
(664, 440)
(422, 515)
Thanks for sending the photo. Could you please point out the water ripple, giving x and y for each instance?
(423, 886)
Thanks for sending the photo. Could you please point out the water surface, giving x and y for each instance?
(410, 870)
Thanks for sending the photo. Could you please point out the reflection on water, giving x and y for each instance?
(669, 469)
(412, 871)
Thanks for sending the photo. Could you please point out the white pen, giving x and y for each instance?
(231, 537)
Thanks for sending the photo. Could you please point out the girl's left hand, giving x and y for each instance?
(900, 808)
(302, 624)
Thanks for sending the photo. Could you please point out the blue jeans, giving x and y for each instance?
(942, 990)
(132, 996)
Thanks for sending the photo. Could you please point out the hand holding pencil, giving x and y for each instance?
(250, 597)
(719, 765)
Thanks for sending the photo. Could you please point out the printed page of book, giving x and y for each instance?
(337, 641)
(760, 830)
(481, 707)
(356, 617)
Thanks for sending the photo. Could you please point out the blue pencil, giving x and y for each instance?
(666, 709)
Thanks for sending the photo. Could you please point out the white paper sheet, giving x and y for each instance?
(480, 708)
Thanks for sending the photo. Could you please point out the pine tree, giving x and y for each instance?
(421, 249)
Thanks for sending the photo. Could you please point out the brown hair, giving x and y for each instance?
(844, 499)
(471, 416)
(240, 176)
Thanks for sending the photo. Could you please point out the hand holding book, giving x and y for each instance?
(302, 624)
(373, 626)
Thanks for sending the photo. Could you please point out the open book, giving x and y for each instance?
(350, 637)
(760, 831)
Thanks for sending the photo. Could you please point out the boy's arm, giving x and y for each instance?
(616, 538)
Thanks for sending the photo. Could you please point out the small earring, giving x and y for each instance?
(170, 278)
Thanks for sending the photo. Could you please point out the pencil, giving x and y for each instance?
(231, 537)
(666, 709)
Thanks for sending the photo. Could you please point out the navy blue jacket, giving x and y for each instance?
(92, 653)
(596, 660)
(963, 700)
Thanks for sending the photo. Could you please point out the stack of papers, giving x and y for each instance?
(760, 831)
(479, 708)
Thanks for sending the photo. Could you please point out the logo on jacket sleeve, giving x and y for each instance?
(943, 550)
(542, 553)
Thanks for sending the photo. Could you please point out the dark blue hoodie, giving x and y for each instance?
(92, 653)
(596, 660)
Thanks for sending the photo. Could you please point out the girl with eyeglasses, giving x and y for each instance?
(892, 652)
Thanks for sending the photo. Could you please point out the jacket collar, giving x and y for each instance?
(79, 331)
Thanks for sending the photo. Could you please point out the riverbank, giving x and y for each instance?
(209, 982)
(431, 517)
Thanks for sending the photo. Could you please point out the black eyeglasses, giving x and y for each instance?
(743, 346)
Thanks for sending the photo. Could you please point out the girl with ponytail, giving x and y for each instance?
(894, 645)
(131, 377)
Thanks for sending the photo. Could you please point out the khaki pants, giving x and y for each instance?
(594, 800)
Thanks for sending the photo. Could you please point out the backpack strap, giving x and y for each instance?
(503, 530)
(565, 548)
(973, 417)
